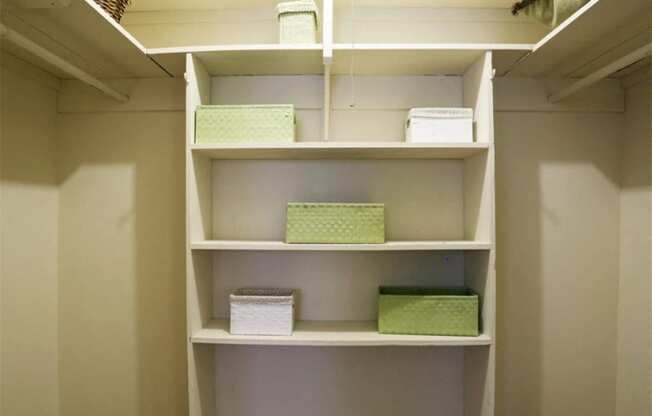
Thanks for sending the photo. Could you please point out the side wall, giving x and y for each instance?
(634, 312)
(122, 283)
(28, 247)
(557, 196)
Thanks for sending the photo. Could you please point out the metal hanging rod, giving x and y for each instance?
(71, 69)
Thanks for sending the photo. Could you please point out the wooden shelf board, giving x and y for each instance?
(93, 41)
(590, 24)
(246, 59)
(342, 150)
(416, 58)
(330, 333)
(369, 59)
(388, 246)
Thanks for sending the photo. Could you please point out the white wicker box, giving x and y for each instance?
(297, 21)
(262, 312)
(439, 125)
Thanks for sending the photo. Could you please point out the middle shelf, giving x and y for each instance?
(240, 245)
(341, 150)
(330, 333)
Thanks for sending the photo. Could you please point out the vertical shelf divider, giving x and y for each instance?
(201, 385)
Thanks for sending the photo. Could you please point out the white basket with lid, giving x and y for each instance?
(439, 125)
(262, 311)
(297, 21)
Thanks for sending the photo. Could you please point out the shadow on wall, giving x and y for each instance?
(122, 268)
(557, 191)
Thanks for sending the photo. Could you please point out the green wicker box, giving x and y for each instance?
(297, 21)
(335, 223)
(244, 124)
(428, 311)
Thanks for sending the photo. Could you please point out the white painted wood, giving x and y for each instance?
(342, 150)
(83, 34)
(602, 73)
(201, 391)
(370, 58)
(349, 147)
(63, 65)
(597, 19)
(479, 223)
(388, 246)
(478, 96)
(246, 59)
(327, 30)
(609, 47)
(330, 333)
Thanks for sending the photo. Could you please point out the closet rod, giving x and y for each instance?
(602, 73)
(36, 49)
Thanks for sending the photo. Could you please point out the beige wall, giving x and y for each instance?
(121, 263)
(634, 393)
(28, 250)
(557, 202)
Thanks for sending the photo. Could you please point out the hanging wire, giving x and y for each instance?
(352, 60)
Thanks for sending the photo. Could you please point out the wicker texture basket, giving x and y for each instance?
(244, 124)
(116, 8)
(297, 21)
(549, 12)
(262, 311)
(335, 223)
(428, 311)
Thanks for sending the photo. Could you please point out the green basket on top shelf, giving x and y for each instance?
(335, 223)
(428, 311)
(245, 124)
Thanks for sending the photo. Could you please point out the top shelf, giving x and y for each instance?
(93, 41)
(588, 26)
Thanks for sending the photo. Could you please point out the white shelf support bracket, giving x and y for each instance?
(74, 71)
(602, 73)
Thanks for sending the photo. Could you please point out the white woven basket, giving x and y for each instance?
(262, 312)
(297, 21)
(439, 125)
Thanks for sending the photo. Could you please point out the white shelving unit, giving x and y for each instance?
(440, 221)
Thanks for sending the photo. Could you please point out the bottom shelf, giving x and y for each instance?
(330, 333)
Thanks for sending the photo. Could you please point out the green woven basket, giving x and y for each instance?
(297, 21)
(244, 124)
(335, 223)
(428, 311)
